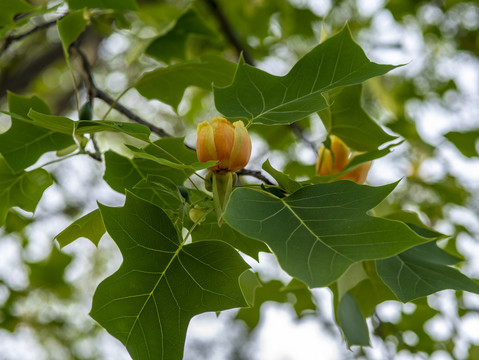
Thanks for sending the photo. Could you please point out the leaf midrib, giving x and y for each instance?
(312, 232)
(151, 293)
(311, 94)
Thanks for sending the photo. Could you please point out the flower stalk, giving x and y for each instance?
(229, 144)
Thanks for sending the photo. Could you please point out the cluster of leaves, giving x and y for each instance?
(323, 233)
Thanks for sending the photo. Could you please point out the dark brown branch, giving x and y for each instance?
(255, 173)
(229, 31)
(10, 39)
(94, 91)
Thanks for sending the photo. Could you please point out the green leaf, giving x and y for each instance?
(16, 222)
(320, 230)
(347, 311)
(70, 28)
(268, 99)
(304, 298)
(9, 8)
(60, 124)
(48, 273)
(297, 169)
(270, 291)
(123, 173)
(209, 230)
(24, 143)
(89, 226)
(421, 271)
(249, 282)
(412, 220)
(173, 44)
(65, 125)
(275, 290)
(352, 321)
(168, 84)
(346, 118)
(137, 131)
(371, 291)
(465, 141)
(352, 277)
(159, 190)
(162, 283)
(23, 189)
(142, 154)
(283, 180)
(103, 4)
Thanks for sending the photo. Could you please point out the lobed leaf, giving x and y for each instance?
(23, 189)
(421, 271)
(267, 99)
(320, 230)
(162, 283)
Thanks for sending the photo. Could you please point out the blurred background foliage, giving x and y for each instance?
(432, 102)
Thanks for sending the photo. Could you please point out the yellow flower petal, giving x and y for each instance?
(205, 142)
(241, 150)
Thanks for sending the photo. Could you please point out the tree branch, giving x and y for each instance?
(255, 173)
(10, 39)
(94, 91)
(229, 31)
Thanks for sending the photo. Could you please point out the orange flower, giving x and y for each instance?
(327, 165)
(221, 140)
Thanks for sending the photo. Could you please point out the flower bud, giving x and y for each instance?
(197, 214)
(221, 140)
(329, 165)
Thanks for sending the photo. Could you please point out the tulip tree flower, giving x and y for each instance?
(221, 140)
(327, 164)
(230, 145)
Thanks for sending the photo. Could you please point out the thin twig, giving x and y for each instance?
(229, 31)
(94, 91)
(255, 173)
(10, 39)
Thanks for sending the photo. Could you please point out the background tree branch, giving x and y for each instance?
(96, 92)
